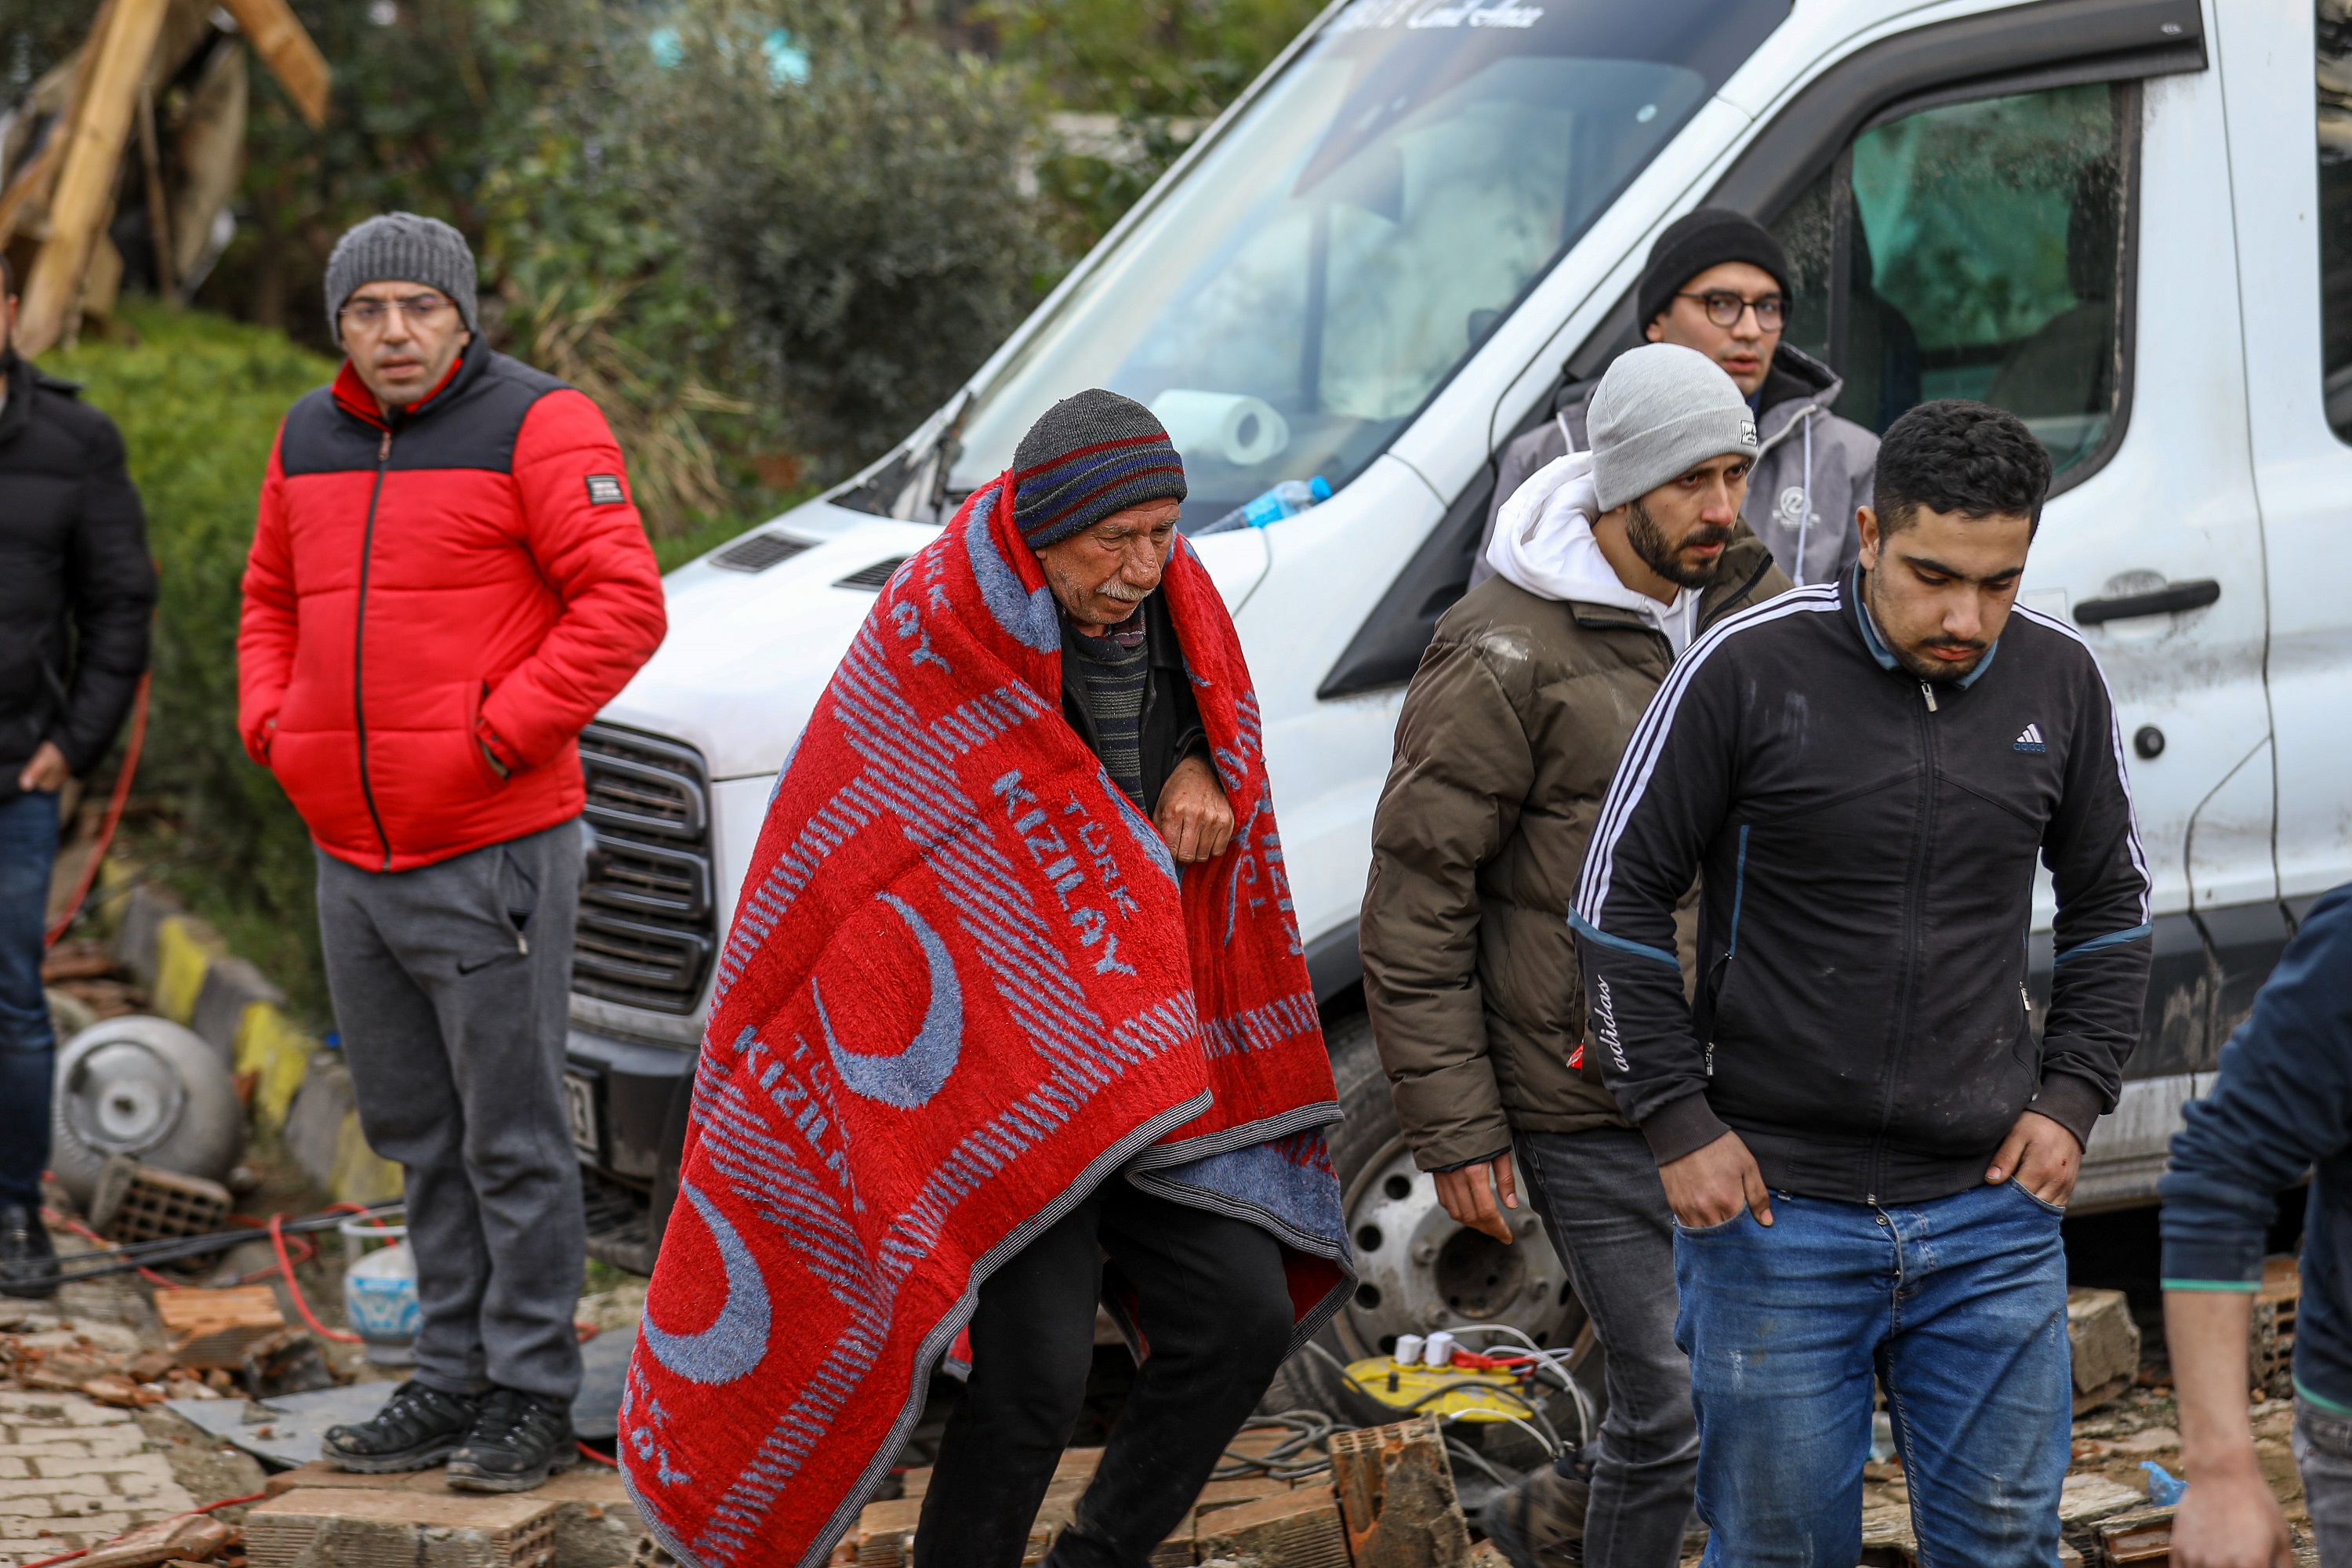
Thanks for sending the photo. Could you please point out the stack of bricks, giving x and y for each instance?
(74, 1473)
(2270, 1347)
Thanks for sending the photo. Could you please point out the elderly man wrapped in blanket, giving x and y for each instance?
(1013, 1017)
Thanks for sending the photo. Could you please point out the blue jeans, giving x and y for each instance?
(1956, 1306)
(28, 1048)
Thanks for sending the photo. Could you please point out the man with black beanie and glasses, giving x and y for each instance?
(1866, 1148)
(77, 589)
(1719, 282)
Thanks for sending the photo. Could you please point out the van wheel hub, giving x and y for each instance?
(1418, 1270)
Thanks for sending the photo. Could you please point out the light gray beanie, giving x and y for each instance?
(403, 246)
(1662, 410)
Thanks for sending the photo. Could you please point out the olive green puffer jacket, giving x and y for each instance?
(1510, 735)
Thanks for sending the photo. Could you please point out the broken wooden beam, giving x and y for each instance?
(269, 25)
(95, 132)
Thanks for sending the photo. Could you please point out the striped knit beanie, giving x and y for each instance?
(1087, 458)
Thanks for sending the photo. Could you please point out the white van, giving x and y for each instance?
(1405, 244)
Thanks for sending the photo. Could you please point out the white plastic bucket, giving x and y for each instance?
(380, 1290)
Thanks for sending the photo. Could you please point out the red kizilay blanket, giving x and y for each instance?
(965, 984)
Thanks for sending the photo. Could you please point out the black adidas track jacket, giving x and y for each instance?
(1868, 845)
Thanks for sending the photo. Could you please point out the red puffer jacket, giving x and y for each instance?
(469, 573)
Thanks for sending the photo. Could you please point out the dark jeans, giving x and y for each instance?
(453, 1024)
(1600, 1200)
(1958, 1306)
(1217, 1319)
(28, 1050)
(2323, 1452)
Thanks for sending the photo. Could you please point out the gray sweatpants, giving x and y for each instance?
(451, 986)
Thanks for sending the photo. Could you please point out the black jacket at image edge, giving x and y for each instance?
(1868, 847)
(77, 585)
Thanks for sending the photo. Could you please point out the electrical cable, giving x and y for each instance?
(1311, 1428)
(124, 1258)
(51, 1217)
(1464, 1452)
(1553, 1362)
(1548, 1439)
(122, 776)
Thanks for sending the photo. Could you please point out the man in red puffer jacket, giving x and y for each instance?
(447, 582)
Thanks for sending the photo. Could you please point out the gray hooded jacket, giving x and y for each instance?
(1812, 468)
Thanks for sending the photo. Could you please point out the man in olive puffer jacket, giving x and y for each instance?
(1607, 564)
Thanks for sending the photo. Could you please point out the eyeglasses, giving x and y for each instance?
(1724, 309)
(421, 310)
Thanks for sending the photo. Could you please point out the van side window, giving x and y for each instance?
(2334, 20)
(1975, 250)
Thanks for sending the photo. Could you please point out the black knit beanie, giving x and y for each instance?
(1696, 241)
(1087, 458)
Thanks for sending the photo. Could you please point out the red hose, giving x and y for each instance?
(593, 1456)
(207, 1507)
(294, 1288)
(304, 1251)
(122, 777)
(51, 1217)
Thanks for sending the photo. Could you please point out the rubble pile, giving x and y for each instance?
(1383, 1497)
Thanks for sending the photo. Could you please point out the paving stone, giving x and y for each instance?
(49, 1466)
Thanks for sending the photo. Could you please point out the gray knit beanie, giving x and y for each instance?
(1662, 410)
(1087, 458)
(405, 247)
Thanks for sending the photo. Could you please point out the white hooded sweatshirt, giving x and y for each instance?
(1543, 543)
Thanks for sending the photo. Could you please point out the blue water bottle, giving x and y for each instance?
(1287, 498)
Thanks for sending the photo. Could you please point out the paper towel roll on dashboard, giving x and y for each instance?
(1242, 430)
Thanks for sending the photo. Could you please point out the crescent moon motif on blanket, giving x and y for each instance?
(737, 1343)
(909, 1077)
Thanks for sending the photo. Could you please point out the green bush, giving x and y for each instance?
(198, 400)
(848, 191)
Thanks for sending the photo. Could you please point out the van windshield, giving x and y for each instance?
(1314, 277)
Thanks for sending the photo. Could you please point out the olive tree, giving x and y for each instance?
(852, 191)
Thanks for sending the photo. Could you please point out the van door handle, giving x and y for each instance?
(2170, 599)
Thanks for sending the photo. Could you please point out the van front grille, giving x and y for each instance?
(648, 922)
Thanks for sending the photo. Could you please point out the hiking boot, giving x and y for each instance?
(1540, 1522)
(27, 1259)
(516, 1443)
(416, 1429)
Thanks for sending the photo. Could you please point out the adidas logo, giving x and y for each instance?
(2029, 740)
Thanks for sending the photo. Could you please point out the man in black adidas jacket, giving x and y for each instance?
(1866, 1148)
